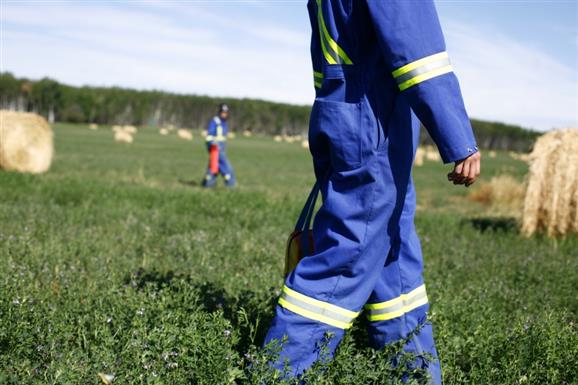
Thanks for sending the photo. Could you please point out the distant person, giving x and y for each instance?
(216, 140)
(375, 64)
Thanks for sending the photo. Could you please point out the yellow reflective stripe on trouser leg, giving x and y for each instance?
(397, 307)
(316, 310)
(422, 70)
(332, 52)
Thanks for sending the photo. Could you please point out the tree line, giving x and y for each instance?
(115, 105)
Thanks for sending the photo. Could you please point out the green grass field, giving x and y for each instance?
(116, 261)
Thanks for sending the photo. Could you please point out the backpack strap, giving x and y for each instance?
(304, 221)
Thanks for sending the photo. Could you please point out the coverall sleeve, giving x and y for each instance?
(211, 132)
(413, 46)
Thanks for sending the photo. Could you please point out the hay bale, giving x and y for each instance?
(492, 154)
(520, 156)
(185, 134)
(419, 157)
(551, 201)
(247, 133)
(231, 135)
(122, 136)
(278, 138)
(502, 192)
(305, 144)
(164, 131)
(117, 128)
(130, 129)
(26, 142)
(93, 126)
(432, 154)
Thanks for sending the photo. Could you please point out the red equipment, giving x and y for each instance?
(214, 159)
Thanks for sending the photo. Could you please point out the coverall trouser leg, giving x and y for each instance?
(225, 169)
(402, 300)
(354, 231)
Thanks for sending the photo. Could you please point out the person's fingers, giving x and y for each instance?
(466, 169)
(473, 174)
(455, 175)
(459, 167)
(475, 170)
(479, 168)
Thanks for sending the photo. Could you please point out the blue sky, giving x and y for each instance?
(517, 60)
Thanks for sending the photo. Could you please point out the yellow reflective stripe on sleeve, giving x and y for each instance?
(316, 310)
(424, 77)
(398, 306)
(418, 63)
(333, 53)
(422, 70)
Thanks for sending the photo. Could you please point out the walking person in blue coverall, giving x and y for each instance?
(378, 67)
(217, 136)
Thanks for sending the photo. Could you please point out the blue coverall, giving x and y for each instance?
(377, 64)
(217, 134)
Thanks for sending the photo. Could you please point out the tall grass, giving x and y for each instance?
(117, 262)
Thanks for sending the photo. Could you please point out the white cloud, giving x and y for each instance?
(135, 48)
(505, 80)
(192, 49)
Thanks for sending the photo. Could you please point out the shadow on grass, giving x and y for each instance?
(190, 183)
(496, 224)
(248, 311)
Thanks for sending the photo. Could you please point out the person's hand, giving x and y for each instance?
(466, 170)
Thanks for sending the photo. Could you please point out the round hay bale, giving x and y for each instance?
(247, 133)
(93, 126)
(551, 201)
(278, 138)
(185, 134)
(122, 136)
(432, 154)
(520, 156)
(164, 131)
(305, 144)
(130, 129)
(419, 157)
(26, 142)
(231, 135)
(502, 192)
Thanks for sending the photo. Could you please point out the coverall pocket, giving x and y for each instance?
(334, 131)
